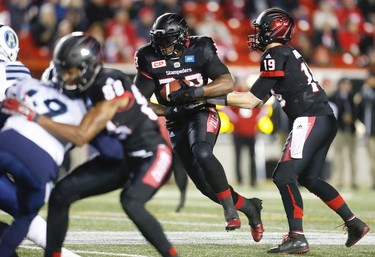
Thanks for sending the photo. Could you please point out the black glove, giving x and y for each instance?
(182, 110)
(183, 95)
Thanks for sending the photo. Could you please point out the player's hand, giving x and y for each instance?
(12, 106)
(182, 110)
(183, 95)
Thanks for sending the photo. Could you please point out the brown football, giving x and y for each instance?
(170, 88)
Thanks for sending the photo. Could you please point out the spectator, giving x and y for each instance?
(172, 6)
(143, 24)
(21, 12)
(121, 38)
(156, 5)
(325, 25)
(219, 32)
(349, 37)
(325, 15)
(98, 11)
(97, 31)
(367, 42)
(345, 142)
(367, 114)
(75, 13)
(253, 8)
(245, 123)
(321, 56)
(304, 45)
(193, 22)
(64, 27)
(350, 11)
(326, 37)
(44, 26)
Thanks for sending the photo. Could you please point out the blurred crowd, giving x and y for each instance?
(328, 32)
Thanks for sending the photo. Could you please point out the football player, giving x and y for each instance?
(31, 156)
(13, 70)
(119, 109)
(285, 75)
(174, 56)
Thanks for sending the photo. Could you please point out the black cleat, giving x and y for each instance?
(252, 212)
(292, 243)
(356, 230)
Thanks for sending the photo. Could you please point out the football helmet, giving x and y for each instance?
(9, 45)
(77, 50)
(169, 35)
(272, 25)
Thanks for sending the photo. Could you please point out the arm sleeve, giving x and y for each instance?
(145, 85)
(262, 87)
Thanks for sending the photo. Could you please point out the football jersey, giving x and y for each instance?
(45, 100)
(136, 125)
(10, 72)
(198, 63)
(296, 89)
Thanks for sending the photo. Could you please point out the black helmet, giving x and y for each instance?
(79, 51)
(168, 30)
(272, 25)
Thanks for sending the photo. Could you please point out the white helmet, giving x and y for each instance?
(9, 46)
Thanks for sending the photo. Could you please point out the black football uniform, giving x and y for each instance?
(199, 63)
(144, 169)
(294, 85)
(285, 74)
(136, 126)
(189, 134)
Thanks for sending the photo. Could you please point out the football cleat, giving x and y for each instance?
(356, 230)
(253, 213)
(292, 243)
(232, 224)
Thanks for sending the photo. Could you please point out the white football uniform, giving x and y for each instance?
(45, 100)
(10, 72)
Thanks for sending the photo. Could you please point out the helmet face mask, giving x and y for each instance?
(169, 35)
(9, 45)
(272, 25)
(80, 53)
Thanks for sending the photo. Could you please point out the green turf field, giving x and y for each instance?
(98, 226)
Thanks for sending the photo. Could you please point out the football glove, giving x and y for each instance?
(13, 106)
(182, 110)
(185, 95)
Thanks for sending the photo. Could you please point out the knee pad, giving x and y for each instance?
(202, 151)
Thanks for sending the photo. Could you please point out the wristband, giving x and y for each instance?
(35, 118)
(218, 100)
(199, 92)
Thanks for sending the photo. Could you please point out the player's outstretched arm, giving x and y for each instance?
(92, 124)
(237, 99)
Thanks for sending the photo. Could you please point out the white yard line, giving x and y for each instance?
(201, 238)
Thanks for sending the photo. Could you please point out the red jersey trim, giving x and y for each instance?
(279, 73)
(155, 176)
(145, 74)
(213, 122)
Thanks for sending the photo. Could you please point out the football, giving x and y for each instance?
(170, 88)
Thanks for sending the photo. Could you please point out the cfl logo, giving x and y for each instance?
(10, 39)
